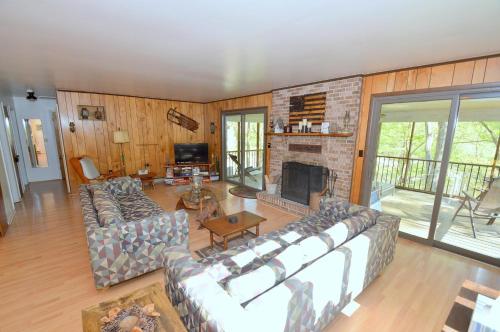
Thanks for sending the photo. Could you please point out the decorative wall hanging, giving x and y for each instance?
(182, 120)
(86, 112)
(311, 107)
(347, 119)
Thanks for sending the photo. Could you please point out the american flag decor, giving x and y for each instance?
(310, 107)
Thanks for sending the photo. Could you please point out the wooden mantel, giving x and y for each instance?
(339, 134)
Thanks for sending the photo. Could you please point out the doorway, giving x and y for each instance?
(15, 155)
(38, 139)
(243, 147)
(433, 161)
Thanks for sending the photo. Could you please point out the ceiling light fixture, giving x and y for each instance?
(30, 95)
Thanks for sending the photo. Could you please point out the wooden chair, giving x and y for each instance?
(485, 206)
(90, 174)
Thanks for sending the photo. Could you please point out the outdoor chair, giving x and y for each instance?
(247, 170)
(485, 206)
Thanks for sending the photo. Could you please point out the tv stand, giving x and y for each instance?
(182, 173)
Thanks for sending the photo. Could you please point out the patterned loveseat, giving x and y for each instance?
(297, 278)
(126, 231)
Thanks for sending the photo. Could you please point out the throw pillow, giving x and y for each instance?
(107, 207)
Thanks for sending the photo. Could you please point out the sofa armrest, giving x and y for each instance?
(104, 244)
(179, 264)
(169, 228)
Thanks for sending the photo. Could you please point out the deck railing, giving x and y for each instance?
(253, 158)
(422, 175)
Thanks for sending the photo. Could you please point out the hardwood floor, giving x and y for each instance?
(45, 277)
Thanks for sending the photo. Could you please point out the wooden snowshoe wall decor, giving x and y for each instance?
(182, 120)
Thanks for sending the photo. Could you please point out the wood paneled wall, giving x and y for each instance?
(213, 114)
(151, 134)
(484, 70)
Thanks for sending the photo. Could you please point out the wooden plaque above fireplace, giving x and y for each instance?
(310, 148)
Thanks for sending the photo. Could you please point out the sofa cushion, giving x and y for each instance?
(147, 234)
(107, 207)
(300, 302)
(137, 206)
(338, 233)
(122, 185)
(312, 248)
(249, 285)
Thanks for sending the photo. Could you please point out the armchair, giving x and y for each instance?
(87, 172)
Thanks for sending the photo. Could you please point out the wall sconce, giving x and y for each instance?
(212, 127)
(72, 127)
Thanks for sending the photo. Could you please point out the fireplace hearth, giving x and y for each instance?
(299, 180)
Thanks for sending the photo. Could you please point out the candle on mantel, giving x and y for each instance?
(309, 127)
(300, 127)
(304, 122)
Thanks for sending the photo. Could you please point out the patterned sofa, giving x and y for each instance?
(126, 231)
(297, 278)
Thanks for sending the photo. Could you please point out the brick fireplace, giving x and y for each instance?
(299, 180)
(337, 153)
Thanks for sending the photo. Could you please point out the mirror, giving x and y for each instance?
(35, 141)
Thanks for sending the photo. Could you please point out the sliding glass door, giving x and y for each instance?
(471, 194)
(433, 160)
(243, 147)
(408, 160)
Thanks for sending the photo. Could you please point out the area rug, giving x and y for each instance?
(460, 314)
(240, 240)
(244, 192)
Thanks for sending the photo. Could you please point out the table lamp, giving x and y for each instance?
(121, 137)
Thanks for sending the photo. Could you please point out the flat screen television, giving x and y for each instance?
(191, 153)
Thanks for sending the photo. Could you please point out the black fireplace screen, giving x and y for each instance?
(299, 180)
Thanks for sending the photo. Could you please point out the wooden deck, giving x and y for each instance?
(415, 210)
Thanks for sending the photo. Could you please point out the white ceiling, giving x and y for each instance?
(204, 50)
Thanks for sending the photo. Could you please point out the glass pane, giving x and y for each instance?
(471, 197)
(233, 147)
(409, 155)
(254, 150)
(35, 141)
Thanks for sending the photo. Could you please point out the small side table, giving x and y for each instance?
(146, 179)
(168, 321)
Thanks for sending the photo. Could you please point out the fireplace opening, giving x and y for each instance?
(299, 180)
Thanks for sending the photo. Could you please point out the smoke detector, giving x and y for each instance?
(30, 95)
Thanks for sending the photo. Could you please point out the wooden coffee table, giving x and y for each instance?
(224, 229)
